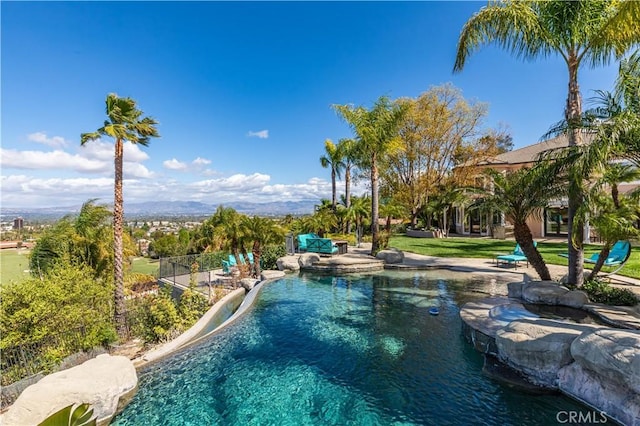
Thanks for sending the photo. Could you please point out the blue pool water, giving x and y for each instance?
(354, 350)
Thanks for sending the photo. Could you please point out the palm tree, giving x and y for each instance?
(261, 231)
(521, 194)
(124, 124)
(228, 231)
(357, 212)
(392, 209)
(375, 129)
(333, 158)
(347, 147)
(580, 32)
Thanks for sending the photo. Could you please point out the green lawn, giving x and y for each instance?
(13, 263)
(144, 265)
(488, 249)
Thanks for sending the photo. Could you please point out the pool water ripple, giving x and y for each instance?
(359, 350)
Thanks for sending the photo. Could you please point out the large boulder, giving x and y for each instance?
(391, 255)
(248, 283)
(288, 264)
(106, 382)
(543, 292)
(538, 348)
(574, 299)
(514, 290)
(612, 353)
(269, 275)
(308, 259)
(608, 396)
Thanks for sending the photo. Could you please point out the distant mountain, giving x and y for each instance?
(168, 209)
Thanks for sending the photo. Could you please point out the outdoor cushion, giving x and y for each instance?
(321, 245)
(302, 240)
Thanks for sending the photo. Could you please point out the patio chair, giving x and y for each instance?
(618, 256)
(514, 257)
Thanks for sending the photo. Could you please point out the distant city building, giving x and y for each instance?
(18, 223)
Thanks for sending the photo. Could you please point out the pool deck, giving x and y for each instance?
(488, 266)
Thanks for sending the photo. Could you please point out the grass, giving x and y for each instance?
(485, 248)
(13, 263)
(144, 265)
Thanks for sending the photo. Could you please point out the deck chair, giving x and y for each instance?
(618, 256)
(514, 257)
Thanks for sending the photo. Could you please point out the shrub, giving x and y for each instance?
(270, 255)
(601, 292)
(191, 307)
(155, 318)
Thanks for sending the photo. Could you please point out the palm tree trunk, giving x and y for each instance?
(118, 271)
(347, 194)
(333, 188)
(525, 239)
(374, 206)
(257, 253)
(573, 113)
(602, 257)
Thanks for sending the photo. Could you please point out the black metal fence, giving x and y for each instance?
(20, 362)
(181, 265)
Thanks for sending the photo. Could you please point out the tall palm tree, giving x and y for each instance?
(347, 147)
(580, 32)
(523, 193)
(125, 123)
(375, 130)
(333, 158)
(261, 231)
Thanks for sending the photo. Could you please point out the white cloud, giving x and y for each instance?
(93, 157)
(28, 191)
(54, 142)
(262, 134)
(38, 160)
(174, 164)
(201, 162)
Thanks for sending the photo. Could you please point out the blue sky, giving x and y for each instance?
(242, 91)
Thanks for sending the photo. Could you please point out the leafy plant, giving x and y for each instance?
(601, 292)
(270, 255)
(73, 415)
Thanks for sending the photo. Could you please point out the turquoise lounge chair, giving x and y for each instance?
(513, 258)
(618, 256)
(321, 246)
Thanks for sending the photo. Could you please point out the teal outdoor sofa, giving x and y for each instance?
(312, 243)
(321, 246)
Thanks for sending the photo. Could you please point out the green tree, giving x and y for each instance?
(333, 159)
(82, 239)
(67, 302)
(376, 130)
(580, 32)
(347, 147)
(261, 231)
(438, 125)
(520, 194)
(125, 123)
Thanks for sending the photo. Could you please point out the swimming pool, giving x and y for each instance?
(352, 350)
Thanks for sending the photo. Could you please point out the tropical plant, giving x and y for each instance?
(347, 147)
(82, 239)
(580, 32)
(125, 123)
(520, 194)
(376, 129)
(261, 231)
(358, 212)
(72, 415)
(333, 159)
